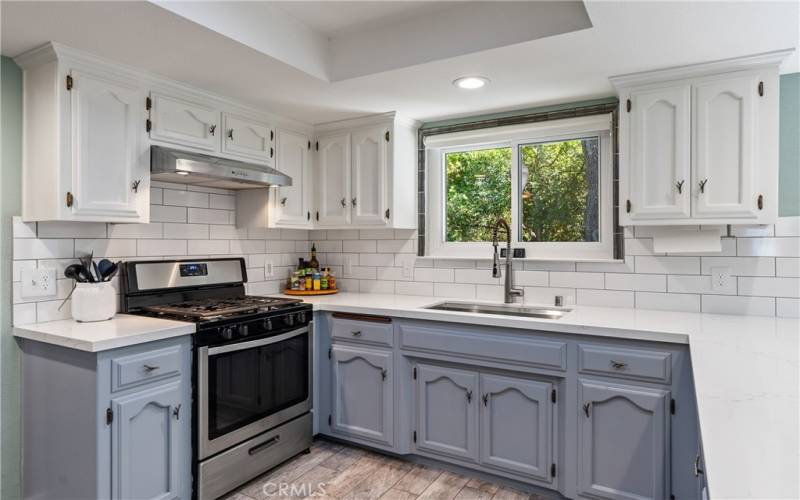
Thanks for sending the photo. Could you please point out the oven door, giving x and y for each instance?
(249, 387)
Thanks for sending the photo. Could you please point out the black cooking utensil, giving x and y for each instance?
(75, 272)
(104, 266)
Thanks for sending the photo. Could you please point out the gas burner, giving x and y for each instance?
(205, 309)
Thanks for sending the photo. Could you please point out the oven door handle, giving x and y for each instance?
(241, 346)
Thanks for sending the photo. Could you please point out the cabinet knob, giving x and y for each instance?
(230, 134)
(344, 202)
(679, 186)
(696, 470)
(271, 152)
(212, 129)
(354, 201)
(702, 185)
(70, 199)
(176, 412)
(618, 365)
(356, 333)
(135, 185)
(486, 400)
(383, 374)
(469, 396)
(760, 202)
(283, 201)
(586, 407)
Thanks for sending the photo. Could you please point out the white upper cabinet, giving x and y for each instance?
(180, 121)
(370, 163)
(333, 180)
(692, 138)
(247, 138)
(725, 146)
(84, 157)
(659, 169)
(293, 204)
(107, 173)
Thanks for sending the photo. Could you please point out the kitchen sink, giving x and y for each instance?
(501, 309)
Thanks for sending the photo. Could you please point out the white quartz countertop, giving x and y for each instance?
(123, 330)
(746, 373)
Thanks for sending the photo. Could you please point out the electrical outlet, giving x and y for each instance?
(38, 282)
(720, 277)
(348, 266)
(269, 270)
(408, 268)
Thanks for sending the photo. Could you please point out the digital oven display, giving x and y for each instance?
(193, 270)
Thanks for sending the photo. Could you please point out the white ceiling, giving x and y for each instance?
(624, 37)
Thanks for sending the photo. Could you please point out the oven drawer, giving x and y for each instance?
(145, 367)
(641, 364)
(367, 329)
(236, 466)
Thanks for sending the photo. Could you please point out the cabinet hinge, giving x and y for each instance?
(414, 436)
(628, 206)
(148, 103)
(628, 105)
(553, 396)
(316, 145)
(414, 373)
(330, 353)
(330, 419)
(672, 406)
(148, 125)
(387, 136)
(109, 416)
(69, 82)
(761, 89)
(552, 470)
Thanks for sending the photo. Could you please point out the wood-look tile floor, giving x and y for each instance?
(333, 471)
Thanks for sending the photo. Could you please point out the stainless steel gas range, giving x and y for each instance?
(252, 365)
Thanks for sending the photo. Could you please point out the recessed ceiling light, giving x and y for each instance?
(181, 172)
(470, 82)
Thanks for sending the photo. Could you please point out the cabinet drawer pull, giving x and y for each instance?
(486, 400)
(586, 407)
(344, 202)
(702, 185)
(760, 202)
(176, 412)
(618, 365)
(230, 134)
(383, 374)
(135, 185)
(679, 185)
(150, 368)
(696, 470)
(283, 201)
(212, 129)
(263, 446)
(469, 396)
(356, 333)
(354, 201)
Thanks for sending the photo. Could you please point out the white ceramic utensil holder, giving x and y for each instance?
(93, 302)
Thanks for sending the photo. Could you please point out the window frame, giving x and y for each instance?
(514, 136)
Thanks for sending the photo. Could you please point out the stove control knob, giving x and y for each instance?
(289, 320)
(301, 317)
(244, 330)
(226, 333)
(267, 324)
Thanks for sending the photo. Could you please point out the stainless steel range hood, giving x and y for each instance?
(173, 165)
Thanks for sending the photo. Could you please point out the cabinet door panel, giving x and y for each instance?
(179, 121)
(516, 425)
(293, 203)
(660, 153)
(105, 147)
(623, 444)
(370, 157)
(725, 143)
(146, 444)
(362, 394)
(447, 412)
(247, 138)
(333, 180)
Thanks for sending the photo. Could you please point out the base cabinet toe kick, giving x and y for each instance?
(588, 417)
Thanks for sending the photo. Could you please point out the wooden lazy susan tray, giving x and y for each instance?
(311, 292)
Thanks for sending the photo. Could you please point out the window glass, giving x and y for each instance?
(559, 193)
(478, 192)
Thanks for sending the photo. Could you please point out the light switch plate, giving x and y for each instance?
(39, 282)
(269, 269)
(720, 277)
(408, 268)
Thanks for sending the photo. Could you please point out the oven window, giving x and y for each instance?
(248, 385)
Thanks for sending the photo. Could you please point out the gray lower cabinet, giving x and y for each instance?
(363, 400)
(517, 425)
(146, 444)
(447, 411)
(113, 424)
(623, 441)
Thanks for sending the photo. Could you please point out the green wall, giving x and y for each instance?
(789, 176)
(10, 182)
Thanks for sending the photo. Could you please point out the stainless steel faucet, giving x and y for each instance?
(510, 290)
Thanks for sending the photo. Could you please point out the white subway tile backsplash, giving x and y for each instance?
(226, 232)
(577, 280)
(768, 247)
(376, 234)
(607, 267)
(787, 226)
(638, 282)
(252, 246)
(21, 229)
(770, 287)
(434, 274)
(361, 272)
(160, 213)
(208, 247)
(740, 266)
(19, 265)
(531, 278)
(359, 246)
(376, 286)
(667, 265)
(156, 248)
(395, 246)
(136, 231)
(454, 263)
(476, 276)
(222, 201)
(107, 248)
(547, 295)
(49, 310)
(24, 314)
(454, 290)
(668, 301)
(28, 248)
(544, 265)
(605, 298)
(71, 230)
(156, 196)
(185, 198)
(677, 283)
(376, 259)
(493, 293)
(787, 267)
(721, 304)
(186, 231)
(208, 216)
(757, 231)
(413, 288)
(787, 308)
